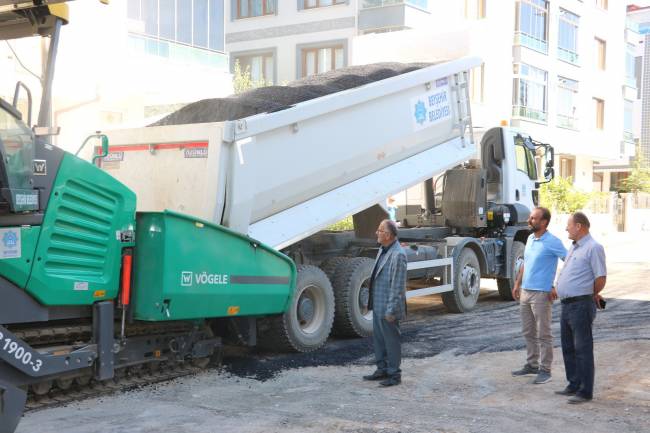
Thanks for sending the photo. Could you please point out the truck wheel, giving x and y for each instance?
(351, 291)
(505, 285)
(330, 265)
(307, 323)
(467, 283)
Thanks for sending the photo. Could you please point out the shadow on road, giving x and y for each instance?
(494, 326)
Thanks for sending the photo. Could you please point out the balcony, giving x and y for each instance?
(627, 149)
(142, 44)
(390, 14)
(630, 82)
(567, 122)
(368, 4)
(529, 113)
(567, 56)
(531, 42)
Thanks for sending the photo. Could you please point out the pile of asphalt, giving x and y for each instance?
(275, 98)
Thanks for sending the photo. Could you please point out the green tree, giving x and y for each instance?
(242, 80)
(561, 196)
(639, 178)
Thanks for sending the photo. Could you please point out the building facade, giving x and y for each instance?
(639, 22)
(125, 64)
(284, 40)
(557, 70)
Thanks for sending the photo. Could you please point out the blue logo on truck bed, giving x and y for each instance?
(420, 112)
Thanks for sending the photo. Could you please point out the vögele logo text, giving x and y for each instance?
(189, 278)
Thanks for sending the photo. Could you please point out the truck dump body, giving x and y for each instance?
(282, 176)
(270, 99)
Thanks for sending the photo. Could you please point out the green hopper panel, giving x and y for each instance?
(186, 268)
(79, 252)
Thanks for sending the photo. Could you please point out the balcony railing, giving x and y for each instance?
(178, 52)
(420, 4)
(529, 113)
(531, 42)
(567, 55)
(568, 122)
(631, 25)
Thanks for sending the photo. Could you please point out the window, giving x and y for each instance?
(312, 4)
(568, 37)
(525, 161)
(475, 9)
(628, 121)
(599, 109)
(198, 23)
(567, 168)
(476, 84)
(630, 66)
(254, 8)
(529, 92)
(567, 99)
(260, 66)
(601, 4)
(531, 26)
(321, 59)
(601, 54)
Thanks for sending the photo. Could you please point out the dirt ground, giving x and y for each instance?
(456, 378)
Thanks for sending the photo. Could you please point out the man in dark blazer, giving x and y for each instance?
(388, 303)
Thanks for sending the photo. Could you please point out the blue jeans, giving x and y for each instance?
(578, 346)
(387, 345)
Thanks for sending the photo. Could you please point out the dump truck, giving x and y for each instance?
(175, 240)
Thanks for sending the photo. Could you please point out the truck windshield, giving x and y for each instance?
(16, 167)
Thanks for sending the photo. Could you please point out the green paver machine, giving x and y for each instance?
(89, 288)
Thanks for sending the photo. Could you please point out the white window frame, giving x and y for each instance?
(567, 20)
(530, 75)
(567, 120)
(532, 41)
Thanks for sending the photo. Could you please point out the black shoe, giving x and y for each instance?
(391, 381)
(578, 399)
(525, 371)
(566, 391)
(377, 375)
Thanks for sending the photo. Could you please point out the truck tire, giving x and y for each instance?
(307, 323)
(351, 292)
(330, 265)
(505, 285)
(467, 283)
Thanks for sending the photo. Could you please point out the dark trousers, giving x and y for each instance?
(578, 345)
(386, 341)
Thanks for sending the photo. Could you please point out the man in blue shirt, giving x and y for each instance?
(579, 284)
(533, 288)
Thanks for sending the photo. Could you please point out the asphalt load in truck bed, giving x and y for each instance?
(275, 98)
(494, 326)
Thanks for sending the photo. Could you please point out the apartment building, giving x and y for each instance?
(126, 63)
(555, 69)
(618, 169)
(639, 22)
(284, 40)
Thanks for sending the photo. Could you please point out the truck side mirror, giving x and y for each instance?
(549, 174)
(550, 157)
